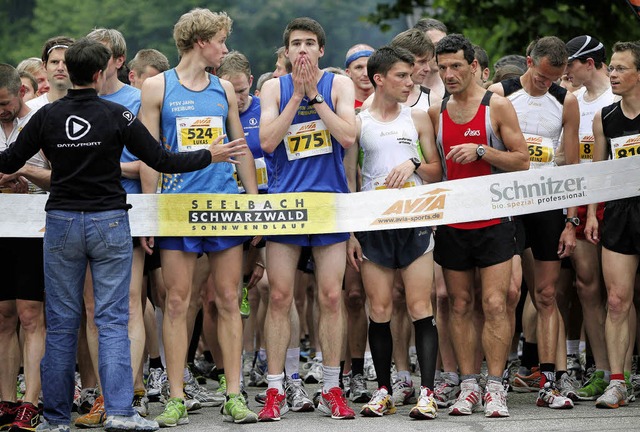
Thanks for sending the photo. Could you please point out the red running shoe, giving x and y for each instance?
(275, 406)
(334, 404)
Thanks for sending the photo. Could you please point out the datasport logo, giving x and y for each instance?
(547, 189)
(429, 206)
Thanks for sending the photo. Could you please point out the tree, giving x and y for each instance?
(507, 26)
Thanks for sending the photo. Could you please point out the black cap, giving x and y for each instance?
(584, 47)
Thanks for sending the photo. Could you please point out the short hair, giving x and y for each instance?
(481, 55)
(234, 63)
(304, 24)
(31, 79)
(263, 78)
(451, 44)
(84, 59)
(426, 24)
(54, 43)
(511, 59)
(31, 65)
(507, 71)
(552, 48)
(149, 57)
(280, 53)
(335, 70)
(112, 38)
(199, 24)
(383, 59)
(10, 79)
(415, 42)
(633, 47)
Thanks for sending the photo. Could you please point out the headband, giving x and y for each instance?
(56, 47)
(356, 55)
(582, 51)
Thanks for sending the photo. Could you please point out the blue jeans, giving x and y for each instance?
(71, 241)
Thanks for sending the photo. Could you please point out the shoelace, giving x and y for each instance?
(378, 398)
(22, 413)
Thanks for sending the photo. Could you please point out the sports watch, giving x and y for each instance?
(416, 162)
(480, 151)
(316, 100)
(572, 220)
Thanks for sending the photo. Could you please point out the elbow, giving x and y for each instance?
(348, 140)
(525, 164)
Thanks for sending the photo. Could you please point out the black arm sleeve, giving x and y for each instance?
(27, 145)
(143, 145)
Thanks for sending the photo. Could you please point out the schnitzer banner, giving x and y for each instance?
(448, 202)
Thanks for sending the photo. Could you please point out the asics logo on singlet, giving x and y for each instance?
(472, 133)
(76, 127)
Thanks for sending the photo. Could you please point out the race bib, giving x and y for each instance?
(586, 148)
(541, 151)
(378, 183)
(625, 146)
(261, 175)
(196, 133)
(307, 139)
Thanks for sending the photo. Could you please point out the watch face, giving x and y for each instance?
(319, 99)
(481, 150)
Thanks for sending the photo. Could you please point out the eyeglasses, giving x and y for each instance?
(619, 69)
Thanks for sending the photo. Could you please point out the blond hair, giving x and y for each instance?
(199, 24)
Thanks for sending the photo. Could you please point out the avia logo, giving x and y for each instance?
(588, 138)
(430, 201)
(77, 127)
(128, 115)
(634, 140)
(534, 140)
(202, 122)
(309, 127)
(472, 133)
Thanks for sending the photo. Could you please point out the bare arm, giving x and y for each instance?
(431, 168)
(273, 123)
(149, 114)
(599, 154)
(351, 160)
(130, 170)
(341, 123)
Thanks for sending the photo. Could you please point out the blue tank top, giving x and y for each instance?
(191, 120)
(128, 96)
(309, 159)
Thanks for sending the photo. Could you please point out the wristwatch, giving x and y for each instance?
(316, 100)
(480, 151)
(572, 220)
(416, 162)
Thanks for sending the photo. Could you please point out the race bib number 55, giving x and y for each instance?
(307, 139)
(195, 133)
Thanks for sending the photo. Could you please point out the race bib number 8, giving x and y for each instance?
(195, 133)
(586, 148)
(625, 146)
(307, 139)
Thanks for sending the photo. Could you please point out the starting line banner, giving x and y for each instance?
(477, 198)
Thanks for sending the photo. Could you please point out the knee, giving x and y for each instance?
(380, 312)
(494, 307)
(176, 304)
(545, 297)
(227, 300)
(330, 300)
(280, 300)
(460, 304)
(32, 318)
(617, 305)
(355, 300)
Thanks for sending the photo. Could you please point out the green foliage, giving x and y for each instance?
(507, 26)
(257, 28)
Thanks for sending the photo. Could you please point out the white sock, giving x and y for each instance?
(292, 362)
(275, 381)
(573, 347)
(330, 377)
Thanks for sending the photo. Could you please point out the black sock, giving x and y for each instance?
(548, 373)
(529, 355)
(559, 374)
(340, 374)
(208, 356)
(427, 349)
(195, 338)
(155, 362)
(381, 345)
(357, 366)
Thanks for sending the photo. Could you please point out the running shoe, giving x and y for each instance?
(140, 402)
(549, 396)
(235, 410)
(334, 404)
(446, 393)
(574, 368)
(370, 370)
(594, 387)
(193, 390)
(45, 426)
(86, 400)
(614, 396)
(8, 412)
(157, 376)
(527, 383)
(403, 393)
(358, 392)
(495, 400)
(275, 406)
(95, 417)
(380, 404)
(314, 375)
(469, 400)
(427, 406)
(297, 397)
(219, 396)
(27, 418)
(174, 414)
(117, 423)
(568, 386)
(245, 307)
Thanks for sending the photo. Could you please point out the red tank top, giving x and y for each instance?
(474, 131)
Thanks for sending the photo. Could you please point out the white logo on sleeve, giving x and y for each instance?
(128, 115)
(77, 127)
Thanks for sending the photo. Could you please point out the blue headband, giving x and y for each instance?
(356, 55)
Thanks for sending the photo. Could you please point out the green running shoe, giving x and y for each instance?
(594, 387)
(245, 307)
(174, 414)
(235, 410)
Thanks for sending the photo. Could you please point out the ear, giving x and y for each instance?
(321, 51)
(132, 77)
(119, 62)
(22, 91)
(474, 66)
(378, 79)
(529, 62)
(250, 80)
(96, 76)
